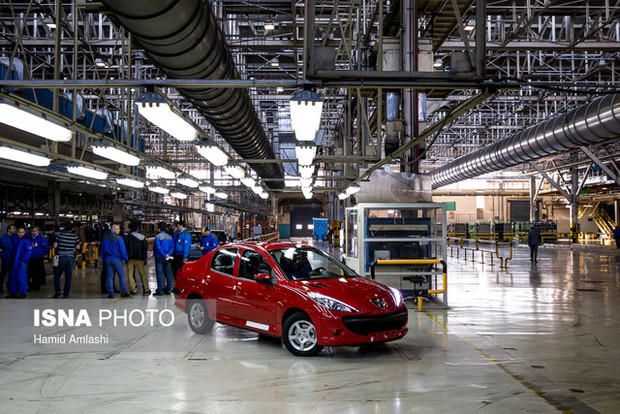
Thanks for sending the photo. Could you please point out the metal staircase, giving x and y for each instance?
(599, 216)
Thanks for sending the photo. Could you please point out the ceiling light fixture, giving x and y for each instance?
(84, 171)
(234, 170)
(305, 153)
(210, 207)
(353, 188)
(306, 171)
(274, 62)
(187, 181)
(159, 171)
(221, 194)
(438, 63)
(178, 194)
(306, 108)
(156, 110)
(248, 182)
(212, 153)
(100, 63)
(269, 25)
(24, 156)
(264, 195)
(130, 182)
(33, 122)
(343, 196)
(307, 192)
(207, 189)
(158, 189)
(109, 151)
(470, 26)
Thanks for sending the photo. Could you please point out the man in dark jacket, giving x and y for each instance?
(20, 255)
(136, 251)
(617, 236)
(113, 253)
(534, 240)
(6, 245)
(36, 265)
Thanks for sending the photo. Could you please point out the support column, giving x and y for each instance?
(574, 204)
(532, 198)
(617, 211)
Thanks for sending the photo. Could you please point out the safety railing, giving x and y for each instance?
(473, 246)
(396, 262)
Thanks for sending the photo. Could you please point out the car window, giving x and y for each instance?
(224, 261)
(309, 263)
(252, 263)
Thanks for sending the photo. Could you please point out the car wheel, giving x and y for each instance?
(299, 335)
(198, 316)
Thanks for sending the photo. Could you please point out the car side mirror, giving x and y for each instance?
(263, 278)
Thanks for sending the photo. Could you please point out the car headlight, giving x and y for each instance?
(330, 303)
(398, 297)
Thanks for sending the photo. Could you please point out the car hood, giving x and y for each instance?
(357, 292)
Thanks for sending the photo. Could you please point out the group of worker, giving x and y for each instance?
(23, 267)
(22, 261)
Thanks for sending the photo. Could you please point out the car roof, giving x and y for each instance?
(268, 245)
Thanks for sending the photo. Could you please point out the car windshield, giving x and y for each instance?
(306, 263)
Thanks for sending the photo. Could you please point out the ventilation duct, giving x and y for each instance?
(589, 124)
(183, 38)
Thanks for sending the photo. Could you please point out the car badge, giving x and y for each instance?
(378, 302)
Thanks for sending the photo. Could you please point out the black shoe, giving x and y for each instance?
(110, 296)
(117, 291)
(158, 294)
(167, 293)
(22, 296)
(146, 293)
(66, 295)
(11, 296)
(133, 292)
(125, 295)
(56, 295)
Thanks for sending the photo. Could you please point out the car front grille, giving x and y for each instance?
(364, 324)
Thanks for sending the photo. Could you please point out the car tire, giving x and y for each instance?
(299, 335)
(198, 316)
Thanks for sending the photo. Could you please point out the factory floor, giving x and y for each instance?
(536, 338)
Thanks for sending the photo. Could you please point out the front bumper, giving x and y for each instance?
(362, 329)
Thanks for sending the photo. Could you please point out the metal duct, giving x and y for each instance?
(185, 41)
(593, 123)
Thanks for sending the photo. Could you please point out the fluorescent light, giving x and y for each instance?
(207, 189)
(264, 195)
(306, 171)
(269, 25)
(24, 156)
(85, 171)
(471, 25)
(306, 108)
(210, 207)
(306, 181)
(305, 153)
(274, 62)
(158, 189)
(307, 192)
(50, 23)
(343, 196)
(257, 189)
(221, 194)
(212, 153)
(106, 150)
(234, 170)
(35, 123)
(353, 188)
(187, 181)
(100, 63)
(159, 171)
(130, 182)
(156, 109)
(178, 194)
(248, 182)
(279, 89)
(438, 63)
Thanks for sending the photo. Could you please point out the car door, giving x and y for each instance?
(255, 303)
(221, 282)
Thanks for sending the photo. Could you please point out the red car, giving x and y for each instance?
(294, 292)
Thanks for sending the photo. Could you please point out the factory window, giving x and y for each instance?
(299, 226)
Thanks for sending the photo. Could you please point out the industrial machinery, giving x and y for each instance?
(320, 228)
(391, 231)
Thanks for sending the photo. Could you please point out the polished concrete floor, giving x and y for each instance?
(535, 338)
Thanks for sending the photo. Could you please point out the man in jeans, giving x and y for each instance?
(6, 245)
(66, 245)
(163, 249)
(36, 265)
(113, 253)
(136, 251)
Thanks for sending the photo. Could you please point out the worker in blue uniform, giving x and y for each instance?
(114, 253)
(182, 245)
(20, 255)
(163, 250)
(36, 266)
(208, 241)
(6, 245)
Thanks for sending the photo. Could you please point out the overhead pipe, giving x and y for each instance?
(593, 123)
(185, 41)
